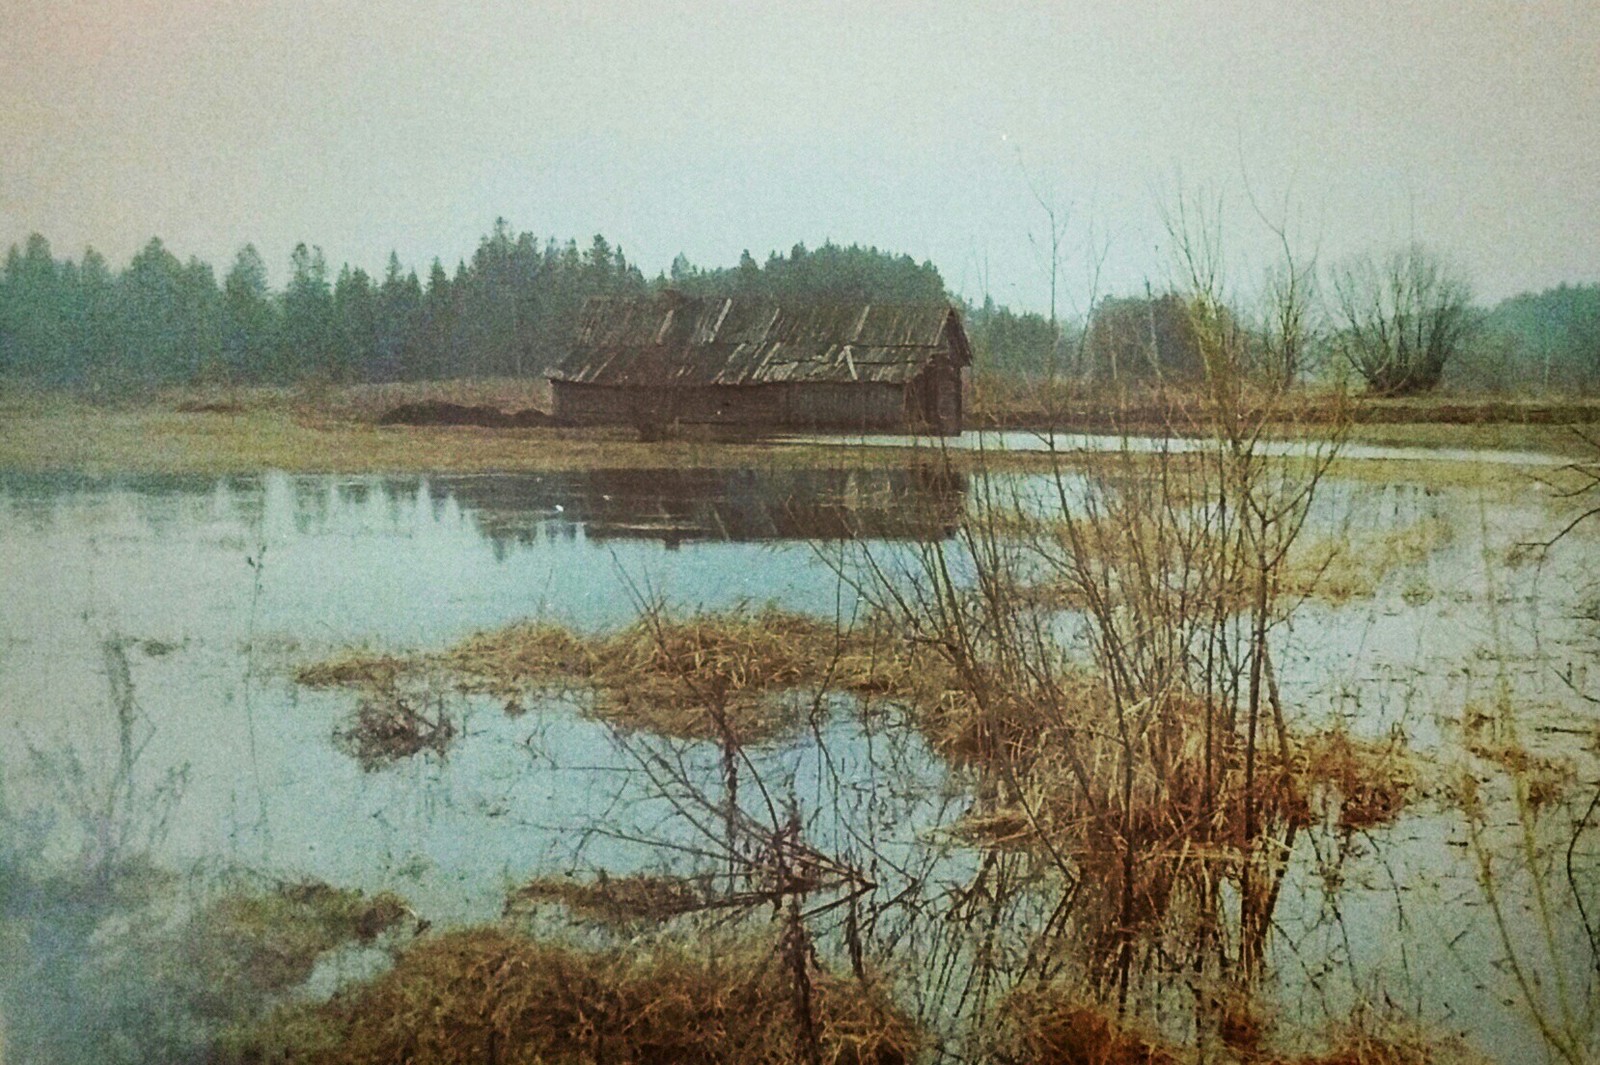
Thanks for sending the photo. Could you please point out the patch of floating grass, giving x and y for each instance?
(518, 659)
(617, 901)
(491, 995)
(387, 727)
(1049, 1026)
(729, 676)
(1542, 781)
(356, 669)
(741, 675)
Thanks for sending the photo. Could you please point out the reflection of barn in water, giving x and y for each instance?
(677, 505)
(759, 365)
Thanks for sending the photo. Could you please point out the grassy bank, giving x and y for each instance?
(337, 430)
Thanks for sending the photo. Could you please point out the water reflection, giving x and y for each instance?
(1060, 442)
(671, 506)
(735, 505)
(219, 586)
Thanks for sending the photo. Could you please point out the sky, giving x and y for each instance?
(940, 130)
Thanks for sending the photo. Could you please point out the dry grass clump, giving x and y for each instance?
(1003, 726)
(242, 944)
(727, 676)
(487, 995)
(356, 669)
(1050, 1026)
(387, 728)
(1053, 1026)
(1062, 764)
(1052, 783)
(711, 676)
(1372, 780)
(519, 658)
(617, 901)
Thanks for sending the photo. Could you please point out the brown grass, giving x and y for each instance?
(356, 669)
(1054, 1026)
(387, 728)
(616, 901)
(519, 659)
(742, 675)
(487, 995)
(243, 944)
(1542, 780)
(1367, 782)
(1048, 1026)
(1362, 1041)
(728, 676)
(1049, 766)
(1331, 569)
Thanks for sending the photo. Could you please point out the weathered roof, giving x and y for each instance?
(673, 340)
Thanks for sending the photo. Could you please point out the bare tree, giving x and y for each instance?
(1402, 320)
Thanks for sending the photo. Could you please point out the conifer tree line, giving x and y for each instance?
(510, 310)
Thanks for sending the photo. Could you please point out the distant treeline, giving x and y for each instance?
(1535, 342)
(1546, 342)
(511, 308)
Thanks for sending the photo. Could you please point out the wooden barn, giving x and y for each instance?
(675, 359)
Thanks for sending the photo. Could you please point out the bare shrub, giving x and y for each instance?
(1401, 321)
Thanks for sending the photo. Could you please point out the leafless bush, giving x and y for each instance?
(1401, 321)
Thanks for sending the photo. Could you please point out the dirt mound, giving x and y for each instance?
(437, 412)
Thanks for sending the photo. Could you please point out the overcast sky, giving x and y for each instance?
(709, 127)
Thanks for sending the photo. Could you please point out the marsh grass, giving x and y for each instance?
(1054, 1025)
(356, 669)
(1336, 569)
(490, 995)
(1328, 568)
(744, 675)
(621, 901)
(713, 676)
(1051, 1025)
(1534, 851)
(1541, 781)
(244, 944)
(1363, 783)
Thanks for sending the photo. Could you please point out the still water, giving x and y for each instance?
(1066, 443)
(213, 590)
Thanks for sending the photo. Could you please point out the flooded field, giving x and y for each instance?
(1028, 441)
(163, 750)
